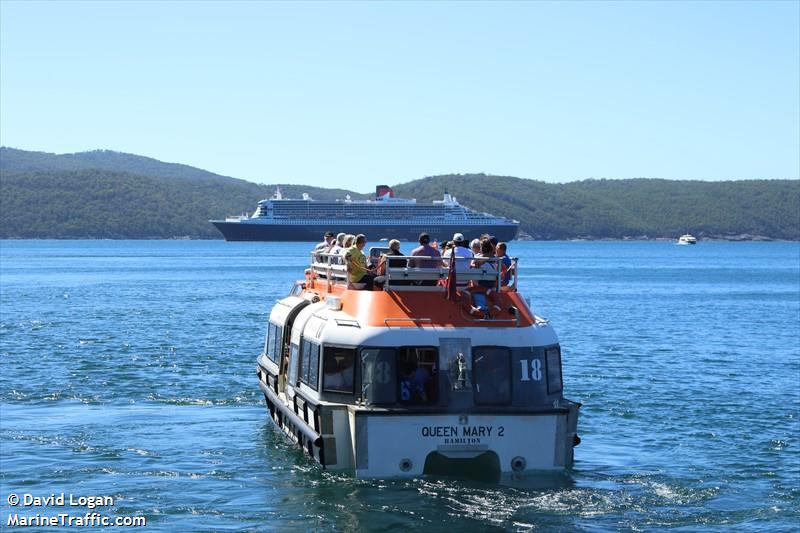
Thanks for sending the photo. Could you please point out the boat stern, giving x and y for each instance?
(476, 446)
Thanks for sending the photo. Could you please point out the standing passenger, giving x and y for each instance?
(506, 266)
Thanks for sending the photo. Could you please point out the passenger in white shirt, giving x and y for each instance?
(462, 254)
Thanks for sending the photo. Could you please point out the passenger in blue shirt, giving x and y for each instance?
(506, 267)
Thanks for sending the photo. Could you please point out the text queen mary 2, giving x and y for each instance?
(404, 381)
(284, 219)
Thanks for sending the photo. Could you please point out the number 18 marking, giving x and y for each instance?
(535, 371)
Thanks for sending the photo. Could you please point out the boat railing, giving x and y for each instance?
(417, 278)
(334, 268)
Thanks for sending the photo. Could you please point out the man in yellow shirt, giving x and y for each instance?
(359, 273)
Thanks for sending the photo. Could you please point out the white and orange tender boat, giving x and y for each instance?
(401, 382)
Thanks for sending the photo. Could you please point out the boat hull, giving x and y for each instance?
(258, 231)
(491, 447)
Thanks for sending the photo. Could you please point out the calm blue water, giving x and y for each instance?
(128, 370)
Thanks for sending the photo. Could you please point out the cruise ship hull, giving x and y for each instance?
(260, 231)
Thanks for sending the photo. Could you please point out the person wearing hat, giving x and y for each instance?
(326, 244)
(463, 255)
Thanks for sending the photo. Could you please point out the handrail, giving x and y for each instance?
(332, 271)
(410, 273)
(515, 261)
(334, 268)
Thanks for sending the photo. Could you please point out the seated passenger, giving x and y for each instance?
(336, 249)
(347, 244)
(413, 384)
(357, 263)
(338, 374)
(476, 301)
(394, 249)
(475, 246)
(426, 250)
(323, 247)
(326, 242)
(462, 255)
(487, 251)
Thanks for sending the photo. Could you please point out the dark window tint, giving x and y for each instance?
(305, 358)
(338, 369)
(491, 375)
(553, 359)
(313, 366)
(378, 377)
(418, 382)
(274, 343)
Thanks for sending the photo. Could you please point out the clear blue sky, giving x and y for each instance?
(355, 94)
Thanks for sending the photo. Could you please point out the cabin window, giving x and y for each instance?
(293, 364)
(338, 366)
(553, 361)
(305, 355)
(378, 375)
(279, 344)
(273, 344)
(268, 342)
(313, 368)
(309, 363)
(491, 372)
(417, 382)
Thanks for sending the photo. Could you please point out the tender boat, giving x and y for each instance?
(402, 382)
(687, 239)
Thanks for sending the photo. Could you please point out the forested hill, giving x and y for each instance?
(635, 208)
(13, 160)
(104, 194)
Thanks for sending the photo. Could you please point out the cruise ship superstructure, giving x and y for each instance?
(386, 217)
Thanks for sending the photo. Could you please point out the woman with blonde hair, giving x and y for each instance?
(394, 249)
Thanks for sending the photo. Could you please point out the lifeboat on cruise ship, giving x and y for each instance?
(402, 382)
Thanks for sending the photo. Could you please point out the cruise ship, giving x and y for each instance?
(386, 217)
